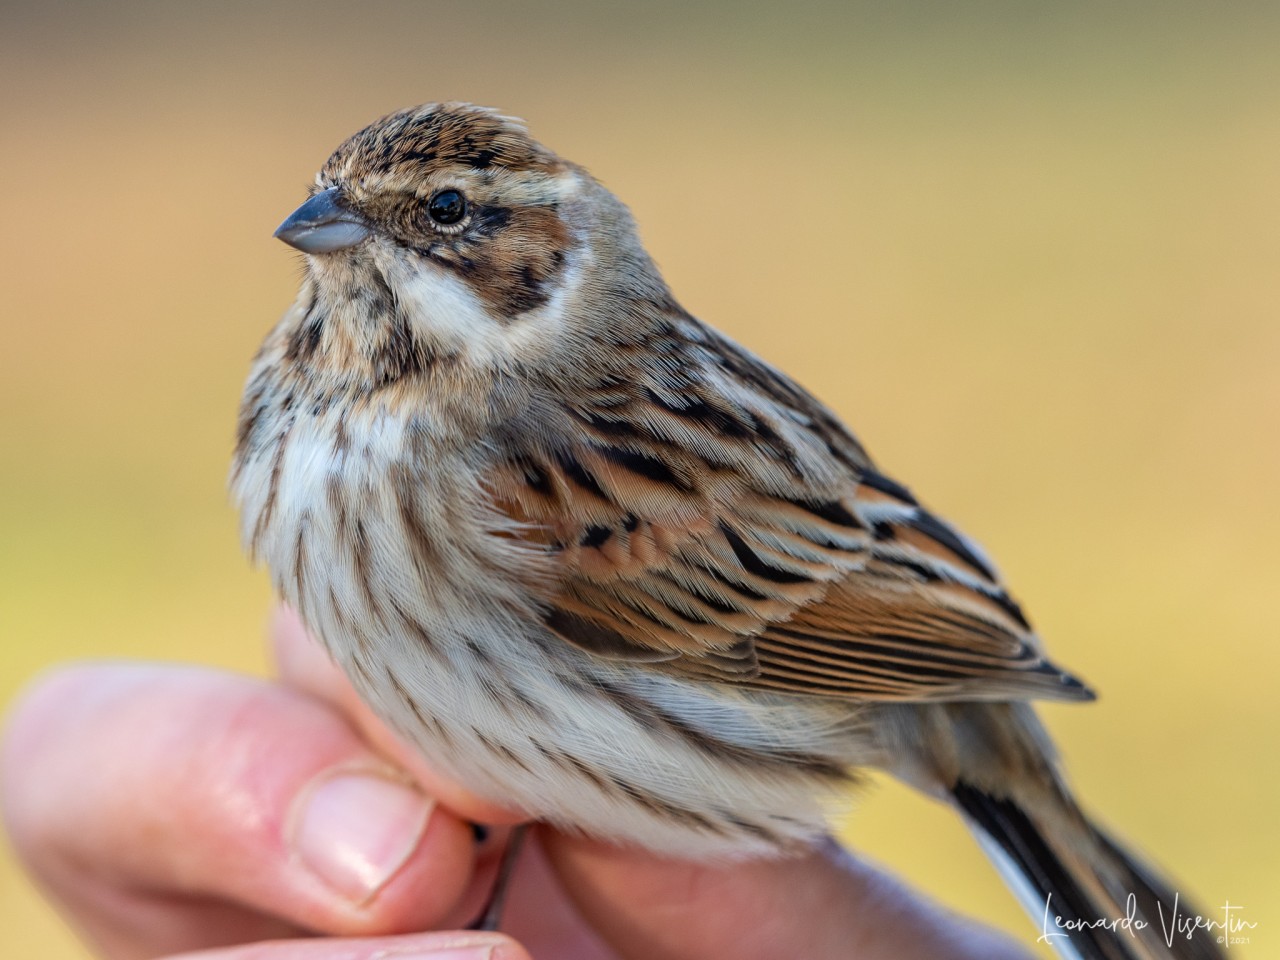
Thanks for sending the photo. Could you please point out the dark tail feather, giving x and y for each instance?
(1157, 899)
(1077, 882)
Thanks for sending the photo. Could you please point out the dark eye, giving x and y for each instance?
(446, 207)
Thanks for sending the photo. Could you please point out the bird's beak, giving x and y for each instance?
(321, 226)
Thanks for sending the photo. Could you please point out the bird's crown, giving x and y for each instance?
(436, 136)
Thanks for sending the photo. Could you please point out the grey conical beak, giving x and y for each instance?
(322, 225)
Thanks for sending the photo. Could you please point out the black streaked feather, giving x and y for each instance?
(601, 640)
(646, 466)
(752, 562)
(579, 475)
(833, 511)
(878, 481)
(935, 529)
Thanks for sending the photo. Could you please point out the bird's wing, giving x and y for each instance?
(719, 522)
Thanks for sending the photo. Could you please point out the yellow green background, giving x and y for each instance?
(1028, 250)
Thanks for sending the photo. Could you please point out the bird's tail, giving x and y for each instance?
(1091, 898)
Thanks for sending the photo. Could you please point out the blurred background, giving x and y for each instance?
(1029, 251)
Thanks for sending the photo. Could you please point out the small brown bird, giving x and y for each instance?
(600, 563)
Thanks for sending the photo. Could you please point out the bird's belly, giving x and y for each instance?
(427, 607)
(679, 767)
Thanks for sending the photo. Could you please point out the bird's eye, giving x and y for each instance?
(447, 207)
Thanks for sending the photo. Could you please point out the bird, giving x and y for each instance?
(603, 565)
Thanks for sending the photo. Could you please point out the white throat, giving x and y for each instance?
(445, 310)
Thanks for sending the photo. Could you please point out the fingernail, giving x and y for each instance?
(355, 829)
(474, 947)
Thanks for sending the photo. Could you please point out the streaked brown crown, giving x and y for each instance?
(437, 135)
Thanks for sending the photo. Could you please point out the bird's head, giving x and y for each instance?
(446, 231)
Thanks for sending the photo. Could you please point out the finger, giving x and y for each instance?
(304, 664)
(149, 798)
(540, 915)
(824, 904)
(427, 946)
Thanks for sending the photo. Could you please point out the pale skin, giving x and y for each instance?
(175, 811)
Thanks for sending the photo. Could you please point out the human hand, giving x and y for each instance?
(176, 809)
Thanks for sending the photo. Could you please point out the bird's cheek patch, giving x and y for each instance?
(515, 259)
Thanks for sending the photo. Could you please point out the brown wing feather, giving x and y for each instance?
(740, 534)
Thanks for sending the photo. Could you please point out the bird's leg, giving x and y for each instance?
(491, 916)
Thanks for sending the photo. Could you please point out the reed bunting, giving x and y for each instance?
(600, 563)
